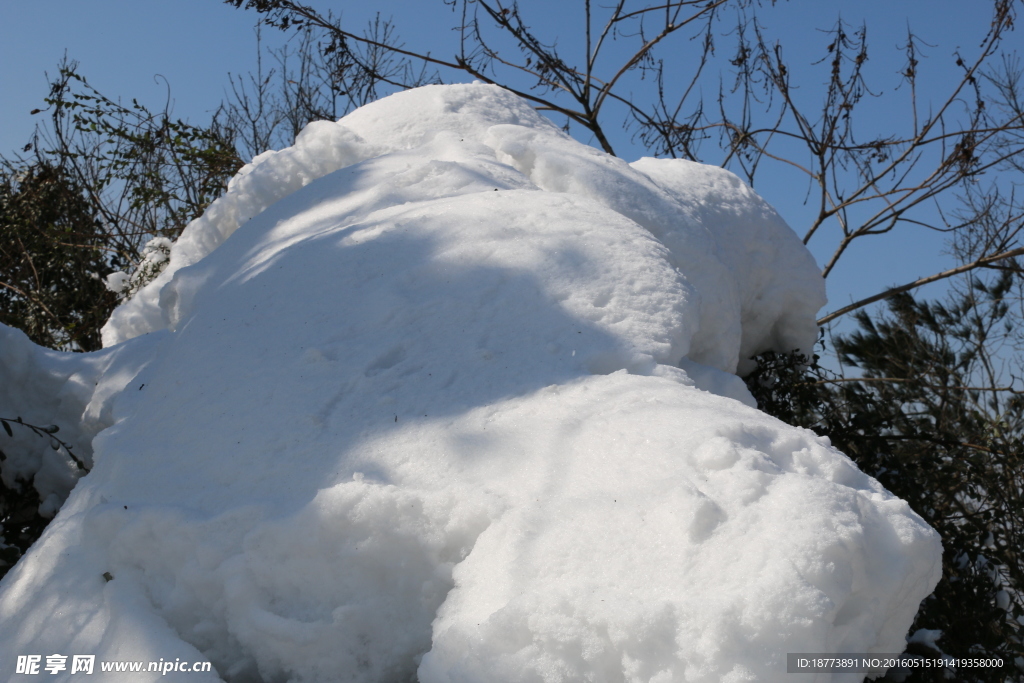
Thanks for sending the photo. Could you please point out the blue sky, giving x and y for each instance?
(123, 45)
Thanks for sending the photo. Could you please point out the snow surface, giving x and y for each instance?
(439, 392)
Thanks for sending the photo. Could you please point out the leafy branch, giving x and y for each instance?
(49, 431)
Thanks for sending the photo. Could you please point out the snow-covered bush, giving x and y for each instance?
(440, 392)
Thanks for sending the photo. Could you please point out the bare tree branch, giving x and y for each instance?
(986, 261)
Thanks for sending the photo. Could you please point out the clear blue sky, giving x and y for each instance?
(122, 45)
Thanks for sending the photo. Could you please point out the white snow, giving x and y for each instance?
(117, 281)
(439, 392)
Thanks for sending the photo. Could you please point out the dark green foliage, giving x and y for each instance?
(931, 419)
(20, 522)
(53, 254)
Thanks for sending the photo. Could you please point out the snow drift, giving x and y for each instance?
(438, 392)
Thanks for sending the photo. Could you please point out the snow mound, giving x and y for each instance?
(754, 286)
(73, 391)
(443, 394)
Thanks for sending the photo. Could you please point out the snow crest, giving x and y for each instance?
(443, 395)
(754, 287)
